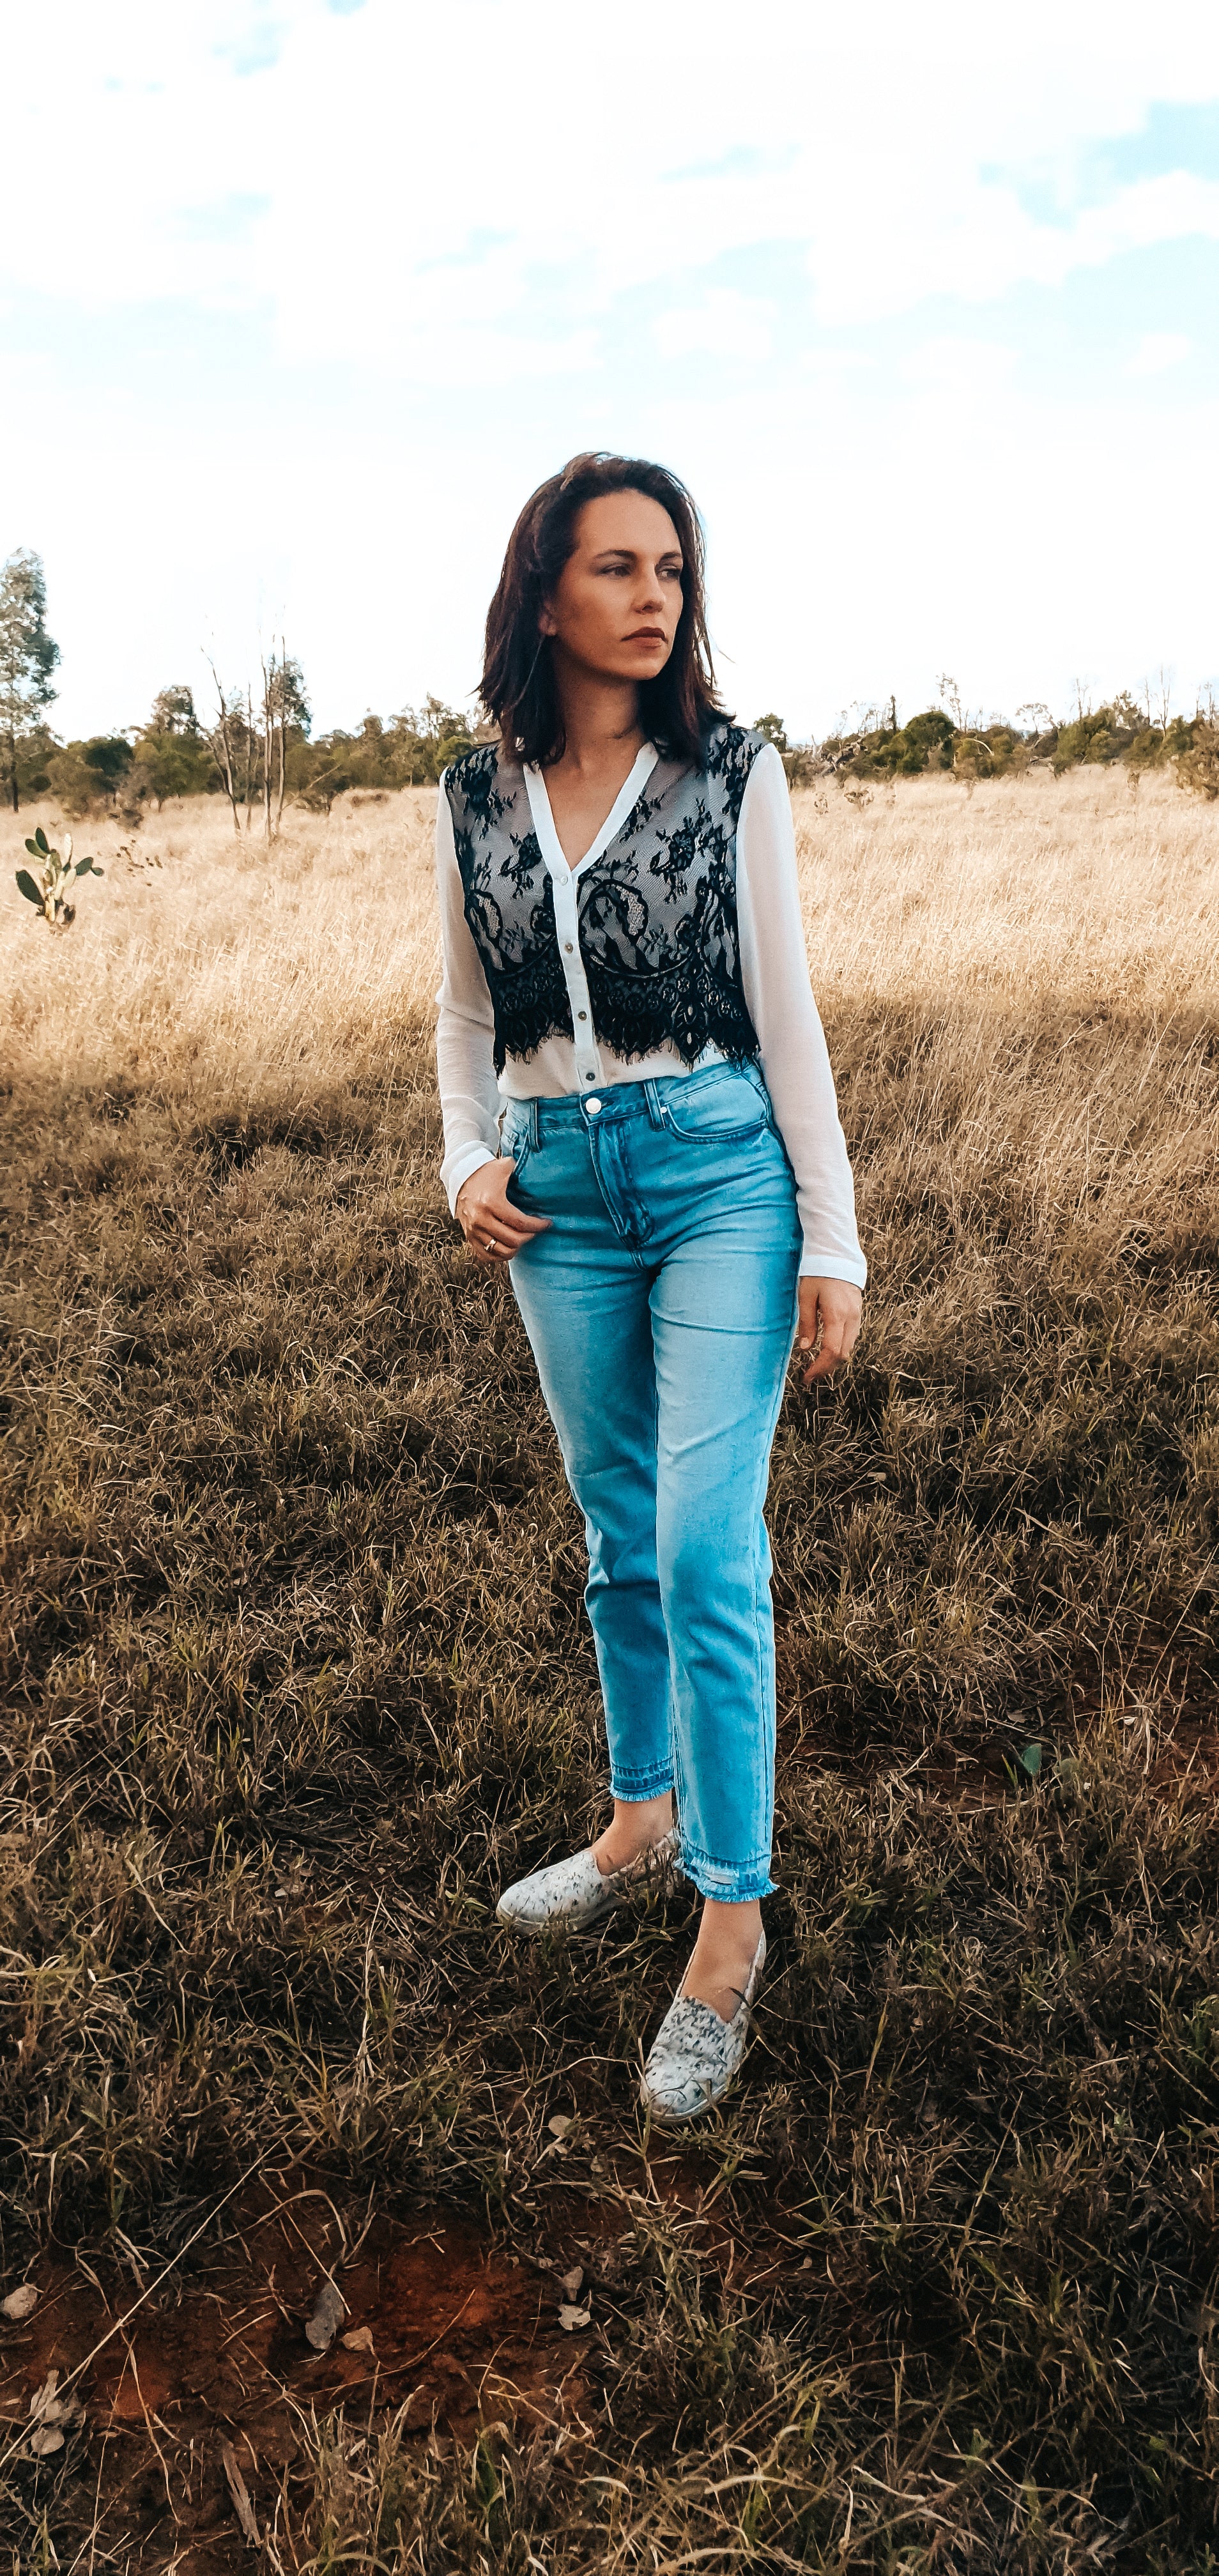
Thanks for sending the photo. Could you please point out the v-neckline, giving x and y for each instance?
(544, 822)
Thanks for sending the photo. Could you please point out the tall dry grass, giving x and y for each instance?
(1051, 947)
(296, 1673)
(229, 966)
(268, 966)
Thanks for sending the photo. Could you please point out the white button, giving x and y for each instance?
(593, 1107)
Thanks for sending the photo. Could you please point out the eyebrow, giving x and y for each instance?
(629, 554)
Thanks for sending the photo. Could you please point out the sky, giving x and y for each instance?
(299, 299)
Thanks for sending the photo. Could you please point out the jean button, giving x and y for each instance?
(593, 1107)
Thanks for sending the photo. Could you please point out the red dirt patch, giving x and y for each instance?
(458, 2330)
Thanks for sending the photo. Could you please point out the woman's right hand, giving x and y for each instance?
(493, 1228)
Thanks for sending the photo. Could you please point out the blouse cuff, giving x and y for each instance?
(834, 1265)
(457, 1168)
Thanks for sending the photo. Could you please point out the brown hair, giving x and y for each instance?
(679, 707)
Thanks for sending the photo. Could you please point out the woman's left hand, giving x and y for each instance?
(831, 1308)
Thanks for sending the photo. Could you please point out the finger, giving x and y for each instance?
(495, 1242)
(501, 1231)
(808, 1327)
(828, 1358)
(492, 1220)
(504, 1220)
(524, 1225)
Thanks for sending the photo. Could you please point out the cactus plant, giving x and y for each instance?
(57, 870)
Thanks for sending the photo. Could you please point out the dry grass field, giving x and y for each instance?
(295, 1675)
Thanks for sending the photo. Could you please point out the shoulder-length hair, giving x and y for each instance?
(679, 708)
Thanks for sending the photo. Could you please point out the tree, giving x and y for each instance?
(171, 764)
(173, 711)
(225, 740)
(1197, 765)
(108, 757)
(170, 754)
(35, 752)
(774, 729)
(87, 774)
(250, 744)
(285, 711)
(28, 655)
(951, 696)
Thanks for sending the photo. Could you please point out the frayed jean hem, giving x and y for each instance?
(726, 1885)
(634, 1788)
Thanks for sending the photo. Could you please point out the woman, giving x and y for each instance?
(625, 987)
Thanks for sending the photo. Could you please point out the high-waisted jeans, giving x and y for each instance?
(661, 1307)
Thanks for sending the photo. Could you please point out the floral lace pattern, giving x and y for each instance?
(657, 910)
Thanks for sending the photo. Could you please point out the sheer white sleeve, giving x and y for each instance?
(465, 1028)
(795, 1058)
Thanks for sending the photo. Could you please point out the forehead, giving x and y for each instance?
(627, 521)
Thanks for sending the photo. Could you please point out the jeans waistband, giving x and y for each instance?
(618, 1101)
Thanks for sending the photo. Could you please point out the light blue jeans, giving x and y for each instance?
(661, 1309)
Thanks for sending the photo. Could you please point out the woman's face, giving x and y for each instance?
(615, 607)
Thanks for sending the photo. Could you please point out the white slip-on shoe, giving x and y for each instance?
(576, 1892)
(695, 2055)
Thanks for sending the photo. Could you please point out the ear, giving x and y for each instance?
(546, 622)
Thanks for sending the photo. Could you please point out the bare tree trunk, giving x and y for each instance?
(283, 737)
(249, 756)
(268, 728)
(222, 746)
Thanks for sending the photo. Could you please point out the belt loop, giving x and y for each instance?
(656, 1107)
(535, 1136)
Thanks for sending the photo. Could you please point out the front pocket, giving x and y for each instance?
(514, 1140)
(720, 1114)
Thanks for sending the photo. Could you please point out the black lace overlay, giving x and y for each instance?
(657, 911)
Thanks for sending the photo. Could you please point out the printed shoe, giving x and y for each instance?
(695, 2055)
(576, 1892)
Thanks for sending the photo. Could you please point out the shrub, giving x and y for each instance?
(56, 872)
(88, 776)
(1197, 764)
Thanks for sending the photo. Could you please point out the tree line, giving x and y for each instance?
(256, 747)
(944, 741)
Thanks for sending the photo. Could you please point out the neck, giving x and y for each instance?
(600, 715)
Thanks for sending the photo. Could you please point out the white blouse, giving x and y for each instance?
(774, 972)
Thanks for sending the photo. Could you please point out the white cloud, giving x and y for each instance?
(1157, 351)
(381, 141)
(963, 369)
(736, 329)
(401, 261)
